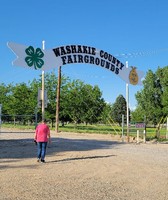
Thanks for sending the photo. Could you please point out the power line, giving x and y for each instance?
(141, 53)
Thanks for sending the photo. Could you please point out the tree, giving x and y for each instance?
(51, 88)
(93, 103)
(22, 103)
(162, 74)
(153, 98)
(119, 108)
(106, 113)
(81, 102)
(138, 114)
(64, 115)
(5, 99)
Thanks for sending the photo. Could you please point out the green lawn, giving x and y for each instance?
(100, 129)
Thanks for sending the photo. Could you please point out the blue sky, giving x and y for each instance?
(116, 26)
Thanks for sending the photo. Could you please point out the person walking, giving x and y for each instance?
(42, 137)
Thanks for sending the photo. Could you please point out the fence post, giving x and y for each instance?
(35, 117)
(167, 129)
(137, 136)
(122, 128)
(144, 136)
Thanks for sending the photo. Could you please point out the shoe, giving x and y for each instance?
(38, 160)
(43, 161)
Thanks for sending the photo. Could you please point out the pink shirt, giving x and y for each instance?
(42, 133)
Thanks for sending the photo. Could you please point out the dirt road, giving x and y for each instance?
(82, 167)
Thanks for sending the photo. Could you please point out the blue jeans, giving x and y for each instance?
(41, 150)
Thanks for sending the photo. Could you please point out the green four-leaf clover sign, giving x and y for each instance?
(34, 57)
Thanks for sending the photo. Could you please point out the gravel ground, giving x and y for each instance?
(82, 167)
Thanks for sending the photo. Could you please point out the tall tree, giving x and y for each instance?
(93, 103)
(22, 101)
(152, 98)
(162, 74)
(81, 102)
(51, 88)
(137, 115)
(106, 113)
(5, 99)
(119, 108)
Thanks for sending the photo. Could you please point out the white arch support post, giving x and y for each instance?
(127, 101)
(43, 88)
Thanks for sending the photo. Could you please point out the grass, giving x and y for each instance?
(19, 126)
(100, 129)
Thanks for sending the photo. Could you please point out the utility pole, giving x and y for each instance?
(58, 100)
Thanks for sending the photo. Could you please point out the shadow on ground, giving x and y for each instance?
(81, 158)
(26, 148)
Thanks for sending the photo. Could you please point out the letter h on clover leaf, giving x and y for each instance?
(34, 57)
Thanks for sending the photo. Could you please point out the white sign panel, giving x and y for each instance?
(36, 58)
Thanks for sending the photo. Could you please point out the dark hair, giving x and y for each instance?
(44, 121)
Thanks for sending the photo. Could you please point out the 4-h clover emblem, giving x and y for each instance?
(34, 57)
